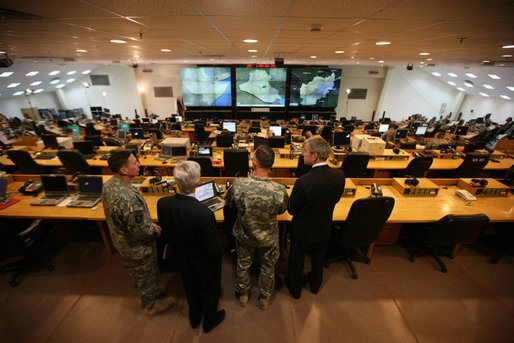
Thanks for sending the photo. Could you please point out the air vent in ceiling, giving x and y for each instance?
(100, 80)
(163, 92)
(358, 93)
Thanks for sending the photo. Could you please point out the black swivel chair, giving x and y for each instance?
(201, 135)
(236, 162)
(74, 162)
(472, 165)
(355, 163)
(96, 139)
(326, 134)
(206, 165)
(301, 168)
(224, 141)
(446, 233)
(361, 229)
(111, 142)
(25, 162)
(158, 133)
(17, 239)
(418, 166)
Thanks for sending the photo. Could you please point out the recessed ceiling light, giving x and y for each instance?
(70, 80)
(6, 74)
(505, 97)
(380, 61)
(506, 56)
(55, 72)
(486, 61)
(12, 85)
(166, 50)
(314, 56)
(467, 84)
(429, 59)
(254, 56)
(483, 94)
(494, 76)
(18, 93)
(117, 41)
(253, 50)
(104, 93)
(71, 72)
(339, 52)
(510, 88)
(461, 89)
(53, 82)
(452, 83)
(452, 74)
(81, 50)
(32, 73)
(383, 43)
(86, 71)
(488, 86)
(471, 75)
(421, 62)
(436, 73)
(59, 86)
(424, 53)
(508, 46)
(36, 83)
(372, 58)
(250, 40)
(136, 56)
(38, 90)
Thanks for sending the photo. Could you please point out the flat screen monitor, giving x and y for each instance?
(341, 138)
(258, 141)
(303, 117)
(85, 147)
(383, 128)
(75, 129)
(400, 134)
(50, 141)
(124, 126)
(461, 130)
(145, 120)
(206, 86)
(315, 117)
(178, 151)
(145, 126)
(205, 150)
(276, 142)
(122, 134)
(166, 150)
(276, 129)
(230, 126)
(315, 87)
(473, 122)
(256, 87)
(113, 122)
(421, 130)
(480, 120)
(137, 133)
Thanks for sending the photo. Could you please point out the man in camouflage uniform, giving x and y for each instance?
(258, 201)
(133, 232)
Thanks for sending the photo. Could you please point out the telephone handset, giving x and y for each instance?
(465, 195)
(376, 190)
(31, 187)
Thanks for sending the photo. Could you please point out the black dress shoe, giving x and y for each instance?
(219, 318)
(315, 290)
(294, 294)
(195, 321)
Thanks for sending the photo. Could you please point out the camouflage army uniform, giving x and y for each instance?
(258, 201)
(133, 235)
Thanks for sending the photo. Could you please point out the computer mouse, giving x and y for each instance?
(144, 157)
(164, 162)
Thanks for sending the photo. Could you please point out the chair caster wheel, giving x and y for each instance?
(412, 259)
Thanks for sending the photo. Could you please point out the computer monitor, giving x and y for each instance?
(480, 120)
(369, 127)
(315, 117)
(124, 126)
(137, 133)
(146, 120)
(205, 150)
(85, 147)
(303, 117)
(166, 150)
(276, 142)
(461, 130)
(400, 134)
(122, 134)
(383, 128)
(75, 129)
(145, 126)
(157, 132)
(258, 141)
(179, 150)
(341, 138)
(50, 141)
(113, 122)
(230, 126)
(276, 129)
(473, 122)
(421, 130)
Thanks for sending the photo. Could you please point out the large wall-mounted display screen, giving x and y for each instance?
(261, 87)
(316, 87)
(206, 86)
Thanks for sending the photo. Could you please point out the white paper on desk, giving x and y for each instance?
(65, 201)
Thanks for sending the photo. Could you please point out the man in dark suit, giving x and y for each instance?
(312, 205)
(190, 229)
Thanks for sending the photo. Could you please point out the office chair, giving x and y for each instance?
(301, 168)
(355, 163)
(96, 139)
(19, 240)
(91, 131)
(447, 232)
(201, 135)
(360, 229)
(326, 134)
(431, 134)
(472, 165)
(418, 166)
(158, 133)
(205, 164)
(25, 162)
(236, 162)
(277, 142)
(224, 141)
(408, 146)
(111, 142)
(74, 162)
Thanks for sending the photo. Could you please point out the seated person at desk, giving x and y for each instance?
(307, 133)
(390, 134)
(27, 122)
(446, 126)
(439, 140)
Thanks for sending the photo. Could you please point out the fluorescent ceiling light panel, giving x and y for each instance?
(32, 73)
(508, 46)
(250, 40)
(436, 73)
(383, 43)
(494, 76)
(71, 72)
(70, 80)
(36, 83)
(471, 75)
(6, 74)
(505, 97)
(53, 82)
(117, 41)
(452, 83)
(461, 89)
(85, 72)
(55, 72)
(59, 86)
(38, 90)
(452, 74)
(12, 85)
(488, 86)
(510, 88)
(18, 93)
(483, 94)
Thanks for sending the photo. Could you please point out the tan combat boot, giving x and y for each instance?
(263, 302)
(160, 305)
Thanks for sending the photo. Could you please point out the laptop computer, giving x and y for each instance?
(179, 154)
(3, 190)
(205, 150)
(206, 194)
(165, 153)
(90, 192)
(55, 188)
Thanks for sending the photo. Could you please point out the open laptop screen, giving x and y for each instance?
(204, 151)
(178, 151)
(54, 183)
(166, 150)
(90, 184)
(204, 191)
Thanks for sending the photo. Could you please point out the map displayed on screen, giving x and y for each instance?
(261, 87)
(317, 87)
(206, 86)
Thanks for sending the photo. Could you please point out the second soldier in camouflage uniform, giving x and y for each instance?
(132, 231)
(258, 200)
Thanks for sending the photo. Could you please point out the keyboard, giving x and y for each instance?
(105, 157)
(88, 156)
(162, 158)
(214, 204)
(45, 156)
(178, 159)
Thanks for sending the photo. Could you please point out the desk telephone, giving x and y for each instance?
(376, 190)
(465, 195)
(31, 187)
